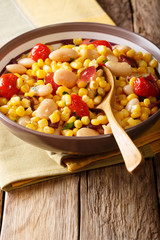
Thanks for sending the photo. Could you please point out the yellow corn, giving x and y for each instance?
(97, 100)
(130, 53)
(15, 100)
(55, 116)
(90, 103)
(31, 126)
(4, 109)
(67, 99)
(85, 120)
(25, 103)
(78, 123)
(25, 88)
(86, 63)
(132, 81)
(154, 109)
(153, 63)
(131, 96)
(40, 73)
(60, 91)
(67, 132)
(103, 119)
(82, 84)
(48, 130)
(76, 65)
(82, 91)
(77, 41)
(147, 57)
(95, 122)
(102, 50)
(42, 123)
(20, 82)
(71, 119)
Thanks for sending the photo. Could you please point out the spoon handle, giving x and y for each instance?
(132, 156)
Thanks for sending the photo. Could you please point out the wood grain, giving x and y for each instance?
(119, 11)
(116, 205)
(44, 211)
(146, 19)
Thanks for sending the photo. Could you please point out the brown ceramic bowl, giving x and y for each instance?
(58, 32)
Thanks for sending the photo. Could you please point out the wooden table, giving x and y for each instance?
(102, 204)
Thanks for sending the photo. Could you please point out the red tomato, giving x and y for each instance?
(40, 51)
(8, 84)
(87, 74)
(50, 79)
(86, 41)
(78, 106)
(96, 43)
(146, 87)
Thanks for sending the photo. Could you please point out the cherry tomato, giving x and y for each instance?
(146, 87)
(50, 79)
(87, 74)
(96, 43)
(40, 51)
(8, 84)
(78, 106)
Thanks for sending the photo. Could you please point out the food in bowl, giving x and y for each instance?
(56, 91)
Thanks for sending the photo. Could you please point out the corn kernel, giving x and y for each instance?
(154, 109)
(55, 67)
(138, 56)
(153, 63)
(97, 100)
(151, 70)
(130, 53)
(142, 70)
(119, 115)
(85, 98)
(31, 126)
(67, 132)
(76, 65)
(35, 119)
(101, 91)
(80, 59)
(119, 90)
(67, 99)
(77, 41)
(131, 96)
(103, 84)
(61, 104)
(125, 112)
(25, 88)
(95, 122)
(102, 49)
(78, 123)
(116, 52)
(40, 63)
(147, 57)
(122, 83)
(146, 102)
(132, 81)
(47, 68)
(15, 100)
(25, 103)
(60, 91)
(40, 82)
(29, 94)
(90, 103)
(12, 112)
(82, 91)
(4, 109)
(74, 90)
(29, 111)
(124, 102)
(48, 130)
(153, 99)
(142, 63)
(71, 119)
(82, 84)
(93, 63)
(65, 116)
(144, 116)
(20, 82)
(42, 123)
(86, 63)
(91, 46)
(100, 59)
(75, 131)
(85, 120)
(93, 85)
(117, 106)
(83, 52)
(47, 61)
(131, 122)
(3, 101)
(40, 73)
(55, 117)
(103, 119)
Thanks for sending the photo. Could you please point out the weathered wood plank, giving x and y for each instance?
(146, 19)
(157, 174)
(119, 11)
(117, 205)
(44, 211)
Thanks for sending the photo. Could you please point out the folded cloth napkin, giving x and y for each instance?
(22, 164)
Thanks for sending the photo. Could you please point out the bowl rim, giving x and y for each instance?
(55, 28)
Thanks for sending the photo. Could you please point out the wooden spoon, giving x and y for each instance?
(131, 154)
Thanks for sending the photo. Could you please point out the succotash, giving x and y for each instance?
(56, 91)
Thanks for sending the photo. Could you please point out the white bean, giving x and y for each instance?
(26, 62)
(128, 89)
(65, 77)
(122, 48)
(92, 54)
(87, 132)
(23, 120)
(112, 57)
(131, 103)
(16, 68)
(63, 55)
(46, 108)
(42, 90)
(119, 68)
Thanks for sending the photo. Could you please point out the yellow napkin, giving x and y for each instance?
(22, 164)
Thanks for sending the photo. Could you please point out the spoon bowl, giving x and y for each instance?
(131, 154)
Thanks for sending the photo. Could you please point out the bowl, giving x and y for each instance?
(63, 31)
